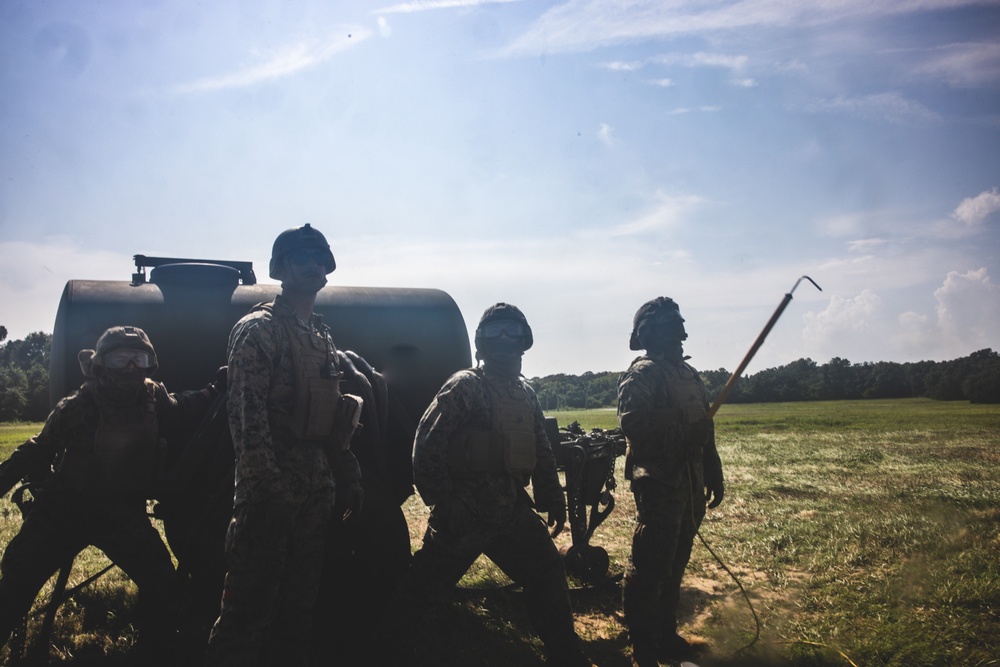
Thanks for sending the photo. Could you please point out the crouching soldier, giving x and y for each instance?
(96, 461)
(477, 446)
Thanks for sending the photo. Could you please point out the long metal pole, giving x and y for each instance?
(731, 382)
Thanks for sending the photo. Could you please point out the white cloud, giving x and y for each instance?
(968, 311)
(384, 29)
(622, 66)
(33, 276)
(887, 107)
(965, 65)
(973, 210)
(427, 5)
(966, 318)
(584, 25)
(702, 59)
(668, 212)
(680, 111)
(663, 83)
(293, 59)
(842, 323)
(604, 135)
(745, 83)
(865, 246)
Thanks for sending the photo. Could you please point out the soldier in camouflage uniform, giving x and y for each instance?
(674, 470)
(291, 431)
(476, 447)
(96, 461)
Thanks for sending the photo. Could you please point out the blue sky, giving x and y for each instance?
(573, 158)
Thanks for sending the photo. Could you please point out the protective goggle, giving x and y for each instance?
(508, 328)
(303, 257)
(122, 357)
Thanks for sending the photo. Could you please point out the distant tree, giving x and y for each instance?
(24, 377)
(983, 383)
(34, 349)
(886, 381)
(13, 393)
(714, 383)
(838, 380)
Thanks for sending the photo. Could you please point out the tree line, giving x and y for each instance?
(24, 381)
(24, 377)
(974, 378)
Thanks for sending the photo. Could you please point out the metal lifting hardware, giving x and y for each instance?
(731, 382)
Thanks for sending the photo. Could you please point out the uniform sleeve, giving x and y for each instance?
(545, 479)
(641, 419)
(711, 461)
(446, 414)
(35, 457)
(346, 469)
(252, 349)
(73, 419)
(181, 412)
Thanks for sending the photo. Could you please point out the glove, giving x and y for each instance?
(346, 421)
(221, 382)
(557, 520)
(715, 489)
(10, 475)
(355, 499)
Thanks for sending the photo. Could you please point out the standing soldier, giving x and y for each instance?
(674, 470)
(291, 431)
(96, 461)
(477, 446)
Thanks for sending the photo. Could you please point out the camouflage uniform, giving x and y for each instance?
(108, 457)
(671, 451)
(284, 496)
(490, 513)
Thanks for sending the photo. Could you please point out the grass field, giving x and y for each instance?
(863, 532)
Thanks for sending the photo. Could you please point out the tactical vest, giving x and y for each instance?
(508, 445)
(126, 454)
(688, 402)
(316, 379)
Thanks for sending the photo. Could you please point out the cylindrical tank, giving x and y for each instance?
(415, 337)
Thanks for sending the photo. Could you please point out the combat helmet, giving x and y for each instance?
(116, 338)
(299, 238)
(658, 312)
(503, 319)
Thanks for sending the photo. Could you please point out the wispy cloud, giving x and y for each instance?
(968, 308)
(865, 246)
(702, 59)
(623, 66)
(680, 111)
(604, 134)
(427, 5)
(699, 59)
(584, 25)
(291, 60)
(668, 211)
(973, 210)
(890, 107)
(964, 65)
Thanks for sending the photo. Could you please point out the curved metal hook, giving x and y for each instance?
(805, 278)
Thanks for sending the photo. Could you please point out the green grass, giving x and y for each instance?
(866, 531)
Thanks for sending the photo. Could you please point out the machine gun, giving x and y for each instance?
(588, 461)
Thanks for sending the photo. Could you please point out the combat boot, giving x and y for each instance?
(644, 656)
(674, 648)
